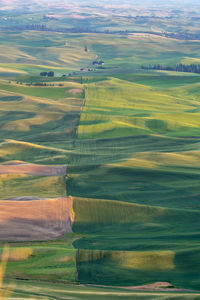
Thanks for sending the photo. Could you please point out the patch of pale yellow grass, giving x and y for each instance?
(5, 293)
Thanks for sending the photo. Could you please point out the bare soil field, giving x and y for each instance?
(32, 169)
(74, 92)
(29, 220)
(156, 286)
(152, 287)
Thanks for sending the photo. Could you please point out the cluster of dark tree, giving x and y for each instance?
(47, 18)
(42, 27)
(182, 36)
(39, 84)
(85, 70)
(44, 84)
(36, 27)
(193, 68)
(49, 74)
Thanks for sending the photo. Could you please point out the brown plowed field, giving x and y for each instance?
(29, 220)
(75, 91)
(32, 169)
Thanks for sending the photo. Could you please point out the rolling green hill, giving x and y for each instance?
(130, 138)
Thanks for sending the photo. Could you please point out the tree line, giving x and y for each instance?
(43, 84)
(42, 27)
(192, 68)
(49, 74)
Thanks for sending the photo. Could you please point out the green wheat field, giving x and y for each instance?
(130, 138)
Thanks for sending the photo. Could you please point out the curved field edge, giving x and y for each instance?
(38, 290)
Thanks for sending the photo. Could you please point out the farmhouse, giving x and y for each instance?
(98, 63)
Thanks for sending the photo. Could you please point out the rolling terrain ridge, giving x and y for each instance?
(130, 141)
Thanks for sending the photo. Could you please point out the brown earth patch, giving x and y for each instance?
(152, 287)
(32, 169)
(156, 286)
(74, 92)
(30, 220)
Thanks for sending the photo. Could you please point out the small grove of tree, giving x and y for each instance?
(193, 68)
(43, 74)
(43, 84)
(49, 74)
